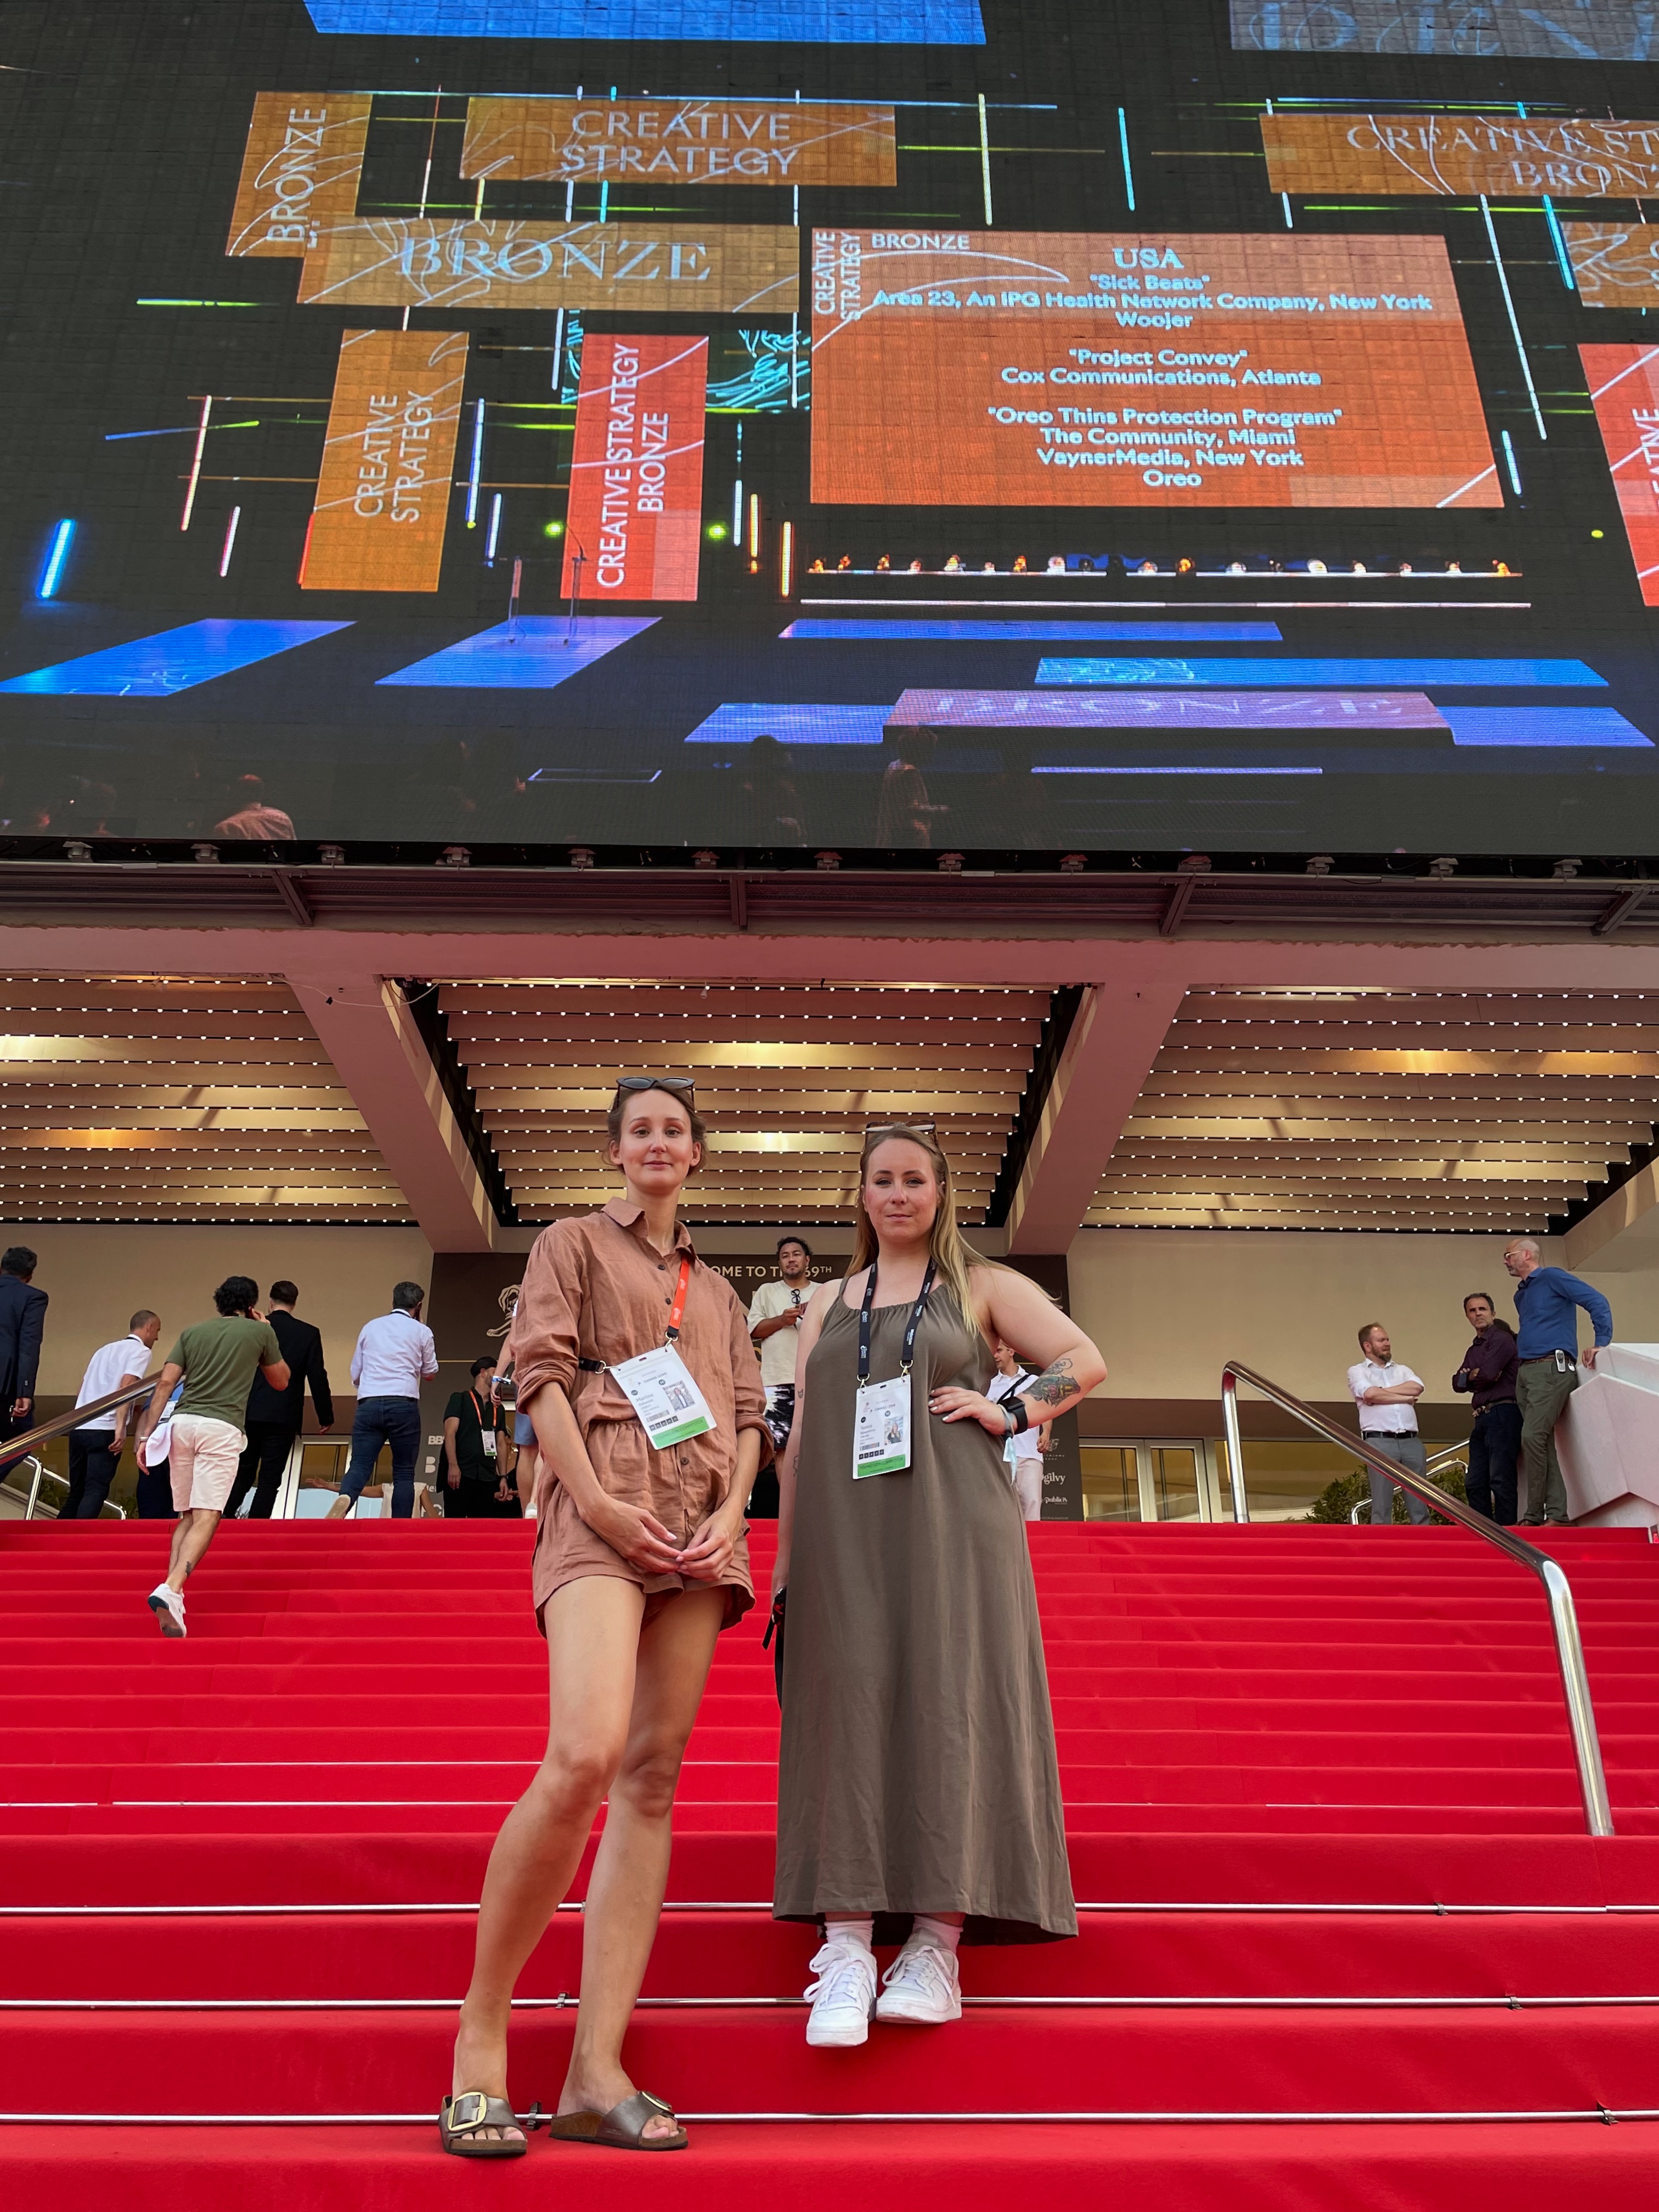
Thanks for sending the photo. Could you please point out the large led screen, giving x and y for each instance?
(976, 427)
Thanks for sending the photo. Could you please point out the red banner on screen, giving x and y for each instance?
(1623, 383)
(636, 469)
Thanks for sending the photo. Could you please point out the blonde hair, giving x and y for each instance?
(951, 1256)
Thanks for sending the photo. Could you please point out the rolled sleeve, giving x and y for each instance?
(1357, 1385)
(545, 1337)
(748, 1392)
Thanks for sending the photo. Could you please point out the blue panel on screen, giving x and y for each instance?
(1541, 726)
(1037, 633)
(173, 660)
(1415, 675)
(828, 22)
(740, 724)
(534, 658)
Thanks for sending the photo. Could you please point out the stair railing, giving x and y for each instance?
(1564, 1617)
(18, 1448)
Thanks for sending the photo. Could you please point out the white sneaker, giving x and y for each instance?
(921, 1988)
(843, 1997)
(168, 1606)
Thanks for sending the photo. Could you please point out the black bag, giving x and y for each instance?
(775, 1627)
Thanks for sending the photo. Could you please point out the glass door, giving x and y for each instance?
(1157, 1479)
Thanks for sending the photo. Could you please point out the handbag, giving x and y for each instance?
(775, 1627)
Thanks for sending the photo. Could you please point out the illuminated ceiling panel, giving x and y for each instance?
(1377, 1109)
(140, 1098)
(788, 1078)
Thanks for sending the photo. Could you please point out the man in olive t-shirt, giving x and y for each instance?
(217, 1361)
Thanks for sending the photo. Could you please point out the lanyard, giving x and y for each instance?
(676, 1311)
(480, 1408)
(911, 1327)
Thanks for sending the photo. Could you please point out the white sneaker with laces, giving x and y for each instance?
(843, 1997)
(168, 1606)
(921, 1988)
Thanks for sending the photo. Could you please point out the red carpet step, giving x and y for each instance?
(1343, 1939)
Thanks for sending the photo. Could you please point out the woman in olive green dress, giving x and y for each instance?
(917, 1777)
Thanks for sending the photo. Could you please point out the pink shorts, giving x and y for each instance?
(203, 1459)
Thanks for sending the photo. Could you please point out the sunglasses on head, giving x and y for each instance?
(896, 1129)
(681, 1085)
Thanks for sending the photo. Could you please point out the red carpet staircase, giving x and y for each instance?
(1344, 1941)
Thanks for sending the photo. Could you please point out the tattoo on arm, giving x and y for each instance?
(1053, 1386)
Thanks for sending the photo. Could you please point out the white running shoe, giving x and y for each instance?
(843, 1997)
(921, 1988)
(168, 1606)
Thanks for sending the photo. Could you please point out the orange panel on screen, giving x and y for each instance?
(300, 172)
(635, 508)
(684, 142)
(1526, 157)
(691, 267)
(388, 464)
(1001, 369)
(1624, 385)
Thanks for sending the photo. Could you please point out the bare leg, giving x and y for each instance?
(592, 1645)
(191, 1535)
(630, 1873)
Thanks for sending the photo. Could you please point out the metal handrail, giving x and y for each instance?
(1563, 1618)
(16, 1449)
(1436, 1459)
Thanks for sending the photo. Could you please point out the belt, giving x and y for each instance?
(1533, 1359)
(1388, 1432)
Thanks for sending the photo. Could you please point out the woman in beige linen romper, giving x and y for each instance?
(641, 1561)
(917, 1777)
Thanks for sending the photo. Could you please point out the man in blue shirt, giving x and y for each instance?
(1547, 1300)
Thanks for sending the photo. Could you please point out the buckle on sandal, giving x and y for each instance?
(459, 2118)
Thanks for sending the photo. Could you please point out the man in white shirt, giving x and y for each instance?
(1022, 1455)
(395, 1354)
(775, 1319)
(1386, 1393)
(94, 1449)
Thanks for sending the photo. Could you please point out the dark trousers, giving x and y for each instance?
(268, 1443)
(1494, 1454)
(394, 1421)
(91, 1462)
(155, 1492)
(473, 1500)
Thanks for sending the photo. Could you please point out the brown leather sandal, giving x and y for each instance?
(622, 2127)
(461, 2118)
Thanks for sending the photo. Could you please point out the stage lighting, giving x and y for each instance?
(53, 573)
(883, 565)
(715, 529)
(1056, 561)
(557, 530)
(1317, 569)
(1019, 564)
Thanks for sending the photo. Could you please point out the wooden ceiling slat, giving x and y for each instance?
(1396, 1109)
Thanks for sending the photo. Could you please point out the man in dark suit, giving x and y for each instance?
(275, 1418)
(23, 1323)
